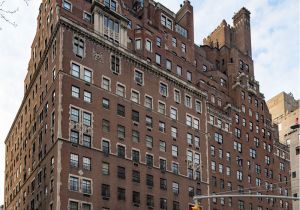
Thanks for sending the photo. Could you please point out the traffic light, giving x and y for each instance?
(195, 207)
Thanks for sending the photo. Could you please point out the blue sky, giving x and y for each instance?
(275, 46)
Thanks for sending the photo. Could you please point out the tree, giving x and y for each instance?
(6, 13)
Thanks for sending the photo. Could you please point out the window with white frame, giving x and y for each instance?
(87, 17)
(174, 132)
(167, 22)
(87, 75)
(189, 138)
(174, 151)
(75, 70)
(189, 76)
(196, 124)
(87, 118)
(197, 141)
(115, 64)
(162, 146)
(239, 175)
(67, 5)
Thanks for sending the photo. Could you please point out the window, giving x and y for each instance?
(87, 142)
(149, 160)
(135, 197)
(105, 147)
(175, 205)
(87, 96)
(189, 138)
(73, 183)
(148, 45)
(105, 83)
(121, 193)
(179, 70)
(175, 167)
(162, 164)
(176, 96)
(162, 146)
(121, 172)
(162, 126)
(105, 168)
(87, 75)
(252, 153)
(115, 64)
(74, 138)
(163, 184)
(105, 125)
(75, 91)
(121, 151)
(135, 136)
(87, 119)
(86, 163)
(105, 103)
(105, 190)
(73, 205)
(110, 4)
(173, 113)
(196, 124)
(139, 77)
(168, 65)
(78, 46)
(150, 201)
(189, 76)
(120, 91)
(188, 101)
(121, 132)
(198, 106)
(138, 44)
(87, 17)
(163, 203)
(161, 108)
(175, 188)
(121, 110)
(136, 176)
(174, 151)
(148, 102)
(135, 156)
(189, 120)
(174, 42)
(135, 96)
(67, 5)
(74, 160)
(75, 71)
(219, 138)
(183, 47)
(149, 180)
(149, 141)
(149, 122)
(182, 31)
(157, 58)
(112, 29)
(158, 41)
(174, 132)
(239, 175)
(135, 116)
(74, 115)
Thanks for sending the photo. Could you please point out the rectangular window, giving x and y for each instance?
(87, 75)
(87, 163)
(135, 116)
(189, 76)
(149, 45)
(188, 101)
(75, 71)
(121, 110)
(115, 64)
(179, 70)
(162, 146)
(78, 46)
(75, 115)
(74, 137)
(135, 96)
(105, 168)
(105, 125)
(73, 183)
(149, 160)
(139, 77)
(75, 92)
(74, 160)
(67, 5)
(148, 102)
(174, 42)
(121, 132)
(149, 141)
(161, 108)
(87, 96)
(157, 58)
(173, 113)
(87, 119)
(177, 96)
(87, 17)
(158, 41)
(121, 151)
(138, 44)
(87, 141)
(120, 91)
(174, 151)
(106, 84)
(135, 156)
(168, 65)
(135, 136)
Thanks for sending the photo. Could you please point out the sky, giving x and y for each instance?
(275, 45)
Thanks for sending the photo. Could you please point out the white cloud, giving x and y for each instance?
(275, 43)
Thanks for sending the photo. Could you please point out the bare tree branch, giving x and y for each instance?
(5, 13)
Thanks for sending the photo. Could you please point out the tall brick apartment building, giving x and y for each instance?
(122, 110)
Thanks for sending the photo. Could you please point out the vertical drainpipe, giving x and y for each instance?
(206, 142)
(59, 118)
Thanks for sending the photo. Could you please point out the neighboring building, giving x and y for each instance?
(1, 207)
(122, 110)
(285, 112)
